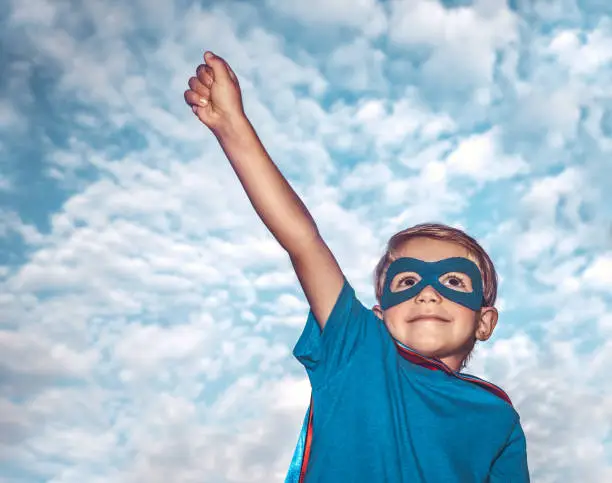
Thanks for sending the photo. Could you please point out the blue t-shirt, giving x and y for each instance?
(378, 417)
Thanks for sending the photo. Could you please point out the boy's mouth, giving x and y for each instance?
(426, 317)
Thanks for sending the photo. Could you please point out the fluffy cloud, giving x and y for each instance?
(480, 157)
(462, 42)
(146, 315)
(364, 15)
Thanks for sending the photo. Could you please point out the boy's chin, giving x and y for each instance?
(428, 348)
(427, 351)
(429, 341)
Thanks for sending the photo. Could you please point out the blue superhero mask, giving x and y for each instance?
(430, 274)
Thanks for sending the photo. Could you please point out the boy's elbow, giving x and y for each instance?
(301, 240)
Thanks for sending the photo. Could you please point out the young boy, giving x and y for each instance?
(388, 403)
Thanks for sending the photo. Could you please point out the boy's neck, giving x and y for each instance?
(453, 361)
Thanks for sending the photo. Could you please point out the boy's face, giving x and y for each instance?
(430, 323)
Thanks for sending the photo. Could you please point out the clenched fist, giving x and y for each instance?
(214, 94)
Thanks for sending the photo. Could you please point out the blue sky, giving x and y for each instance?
(146, 315)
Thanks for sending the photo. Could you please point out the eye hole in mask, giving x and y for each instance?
(457, 281)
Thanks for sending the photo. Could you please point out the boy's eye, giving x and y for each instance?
(457, 282)
(405, 280)
(408, 281)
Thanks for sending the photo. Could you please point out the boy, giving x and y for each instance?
(388, 403)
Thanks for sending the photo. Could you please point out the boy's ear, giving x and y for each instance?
(486, 323)
(378, 311)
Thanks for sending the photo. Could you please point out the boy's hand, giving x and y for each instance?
(214, 94)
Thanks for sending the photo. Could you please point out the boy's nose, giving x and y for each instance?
(428, 294)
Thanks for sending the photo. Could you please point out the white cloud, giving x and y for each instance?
(166, 309)
(480, 157)
(392, 125)
(278, 280)
(5, 183)
(542, 380)
(599, 272)
(551, 210)
(287, 304)
(39, 12)
(554, 113)
(152, 347)
(53, 359)
(357, 67)
(367, 176)
(8, 116)
(583, 58)
(11, 222)
(463, 40)
(365, 15)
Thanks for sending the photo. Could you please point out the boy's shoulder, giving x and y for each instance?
(416, 358)
(487, 386)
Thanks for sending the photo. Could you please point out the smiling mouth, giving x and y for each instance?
(435, 318)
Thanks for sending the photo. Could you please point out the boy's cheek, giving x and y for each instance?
(460, 311)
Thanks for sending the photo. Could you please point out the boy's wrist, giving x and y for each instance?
(234, 130)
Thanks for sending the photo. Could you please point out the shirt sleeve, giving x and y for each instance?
(511, 465)
(351, 327)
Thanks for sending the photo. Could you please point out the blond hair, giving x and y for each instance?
(439, 231)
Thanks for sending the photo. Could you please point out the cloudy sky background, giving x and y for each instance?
(147, 317)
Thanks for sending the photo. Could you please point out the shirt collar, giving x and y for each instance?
(436, 364)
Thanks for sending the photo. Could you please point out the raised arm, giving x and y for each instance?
(215, 97)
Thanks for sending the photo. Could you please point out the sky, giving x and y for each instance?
(147, 316)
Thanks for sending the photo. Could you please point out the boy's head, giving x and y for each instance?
(429, 322)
